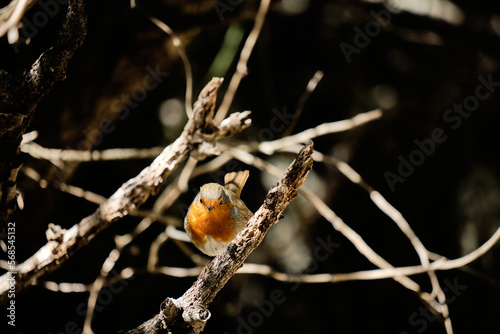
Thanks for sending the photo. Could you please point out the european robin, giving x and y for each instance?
(217, 214)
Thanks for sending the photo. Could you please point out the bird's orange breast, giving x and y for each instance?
(217, 223)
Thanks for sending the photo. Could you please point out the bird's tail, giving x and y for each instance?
(235, 181)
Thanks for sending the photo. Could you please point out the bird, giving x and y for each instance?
(217, 214)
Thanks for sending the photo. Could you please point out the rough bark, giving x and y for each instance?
(189, 313)
(21, 92)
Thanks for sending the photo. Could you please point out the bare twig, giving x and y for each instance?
(440, 264)
(266, 270)
(189, 313)
(98, 199)
(198, 138)
(241, 67)
(69, 189)
(343, 228)
(10, 18)
(311, 86)
(185, 60)
(368, 252)
(396, 216)
(55, 154)
(269, 147)
(97, 286)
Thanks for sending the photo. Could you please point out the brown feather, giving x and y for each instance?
(235, 181)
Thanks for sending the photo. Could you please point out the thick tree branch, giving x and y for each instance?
(189, 314)
(198, 138)
(20, 94)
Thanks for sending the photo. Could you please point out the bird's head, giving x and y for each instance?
(213, 197)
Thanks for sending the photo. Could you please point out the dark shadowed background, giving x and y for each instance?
(433, 69)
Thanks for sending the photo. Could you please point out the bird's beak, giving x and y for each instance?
(210, 208)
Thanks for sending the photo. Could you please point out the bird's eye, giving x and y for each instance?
(221, 202)
(201, 201)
